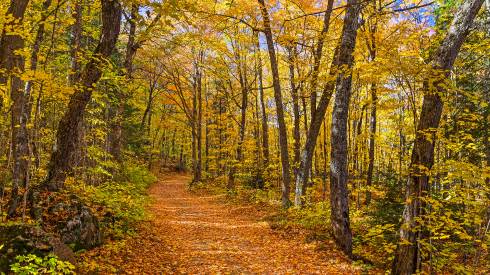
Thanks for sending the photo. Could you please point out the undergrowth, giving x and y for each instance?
(119, 203)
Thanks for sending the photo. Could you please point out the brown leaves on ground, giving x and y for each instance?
(192, 233)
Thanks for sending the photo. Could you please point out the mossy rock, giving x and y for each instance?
(68, 216)
(22, 239)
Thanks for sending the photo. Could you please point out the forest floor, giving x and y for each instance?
(200, 233)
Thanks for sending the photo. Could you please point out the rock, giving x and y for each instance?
(67, 215)
(64, 223)
(21, 239)
(76, 224)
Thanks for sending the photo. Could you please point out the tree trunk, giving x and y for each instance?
(357, 129)
(317, 58)
(194, 134)
(338, 161)
(35, 52)
(283, 140)
(344, 50)
(265, 125)
(14, 67)
(408, 257)
(199, 119)
(67, 138)
(324, 174)
(131, 48)
(296, 115)
(242, 77)
(372, 140)
(371, 44)
(207, 142)
(171, 150)
(149, 104)
(10, 42)
(243, 108)
(76, 32)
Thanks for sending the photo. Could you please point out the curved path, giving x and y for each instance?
(191, 233)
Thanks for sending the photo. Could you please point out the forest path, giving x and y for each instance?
(191, 233)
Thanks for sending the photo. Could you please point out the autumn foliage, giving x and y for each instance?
(352, 136)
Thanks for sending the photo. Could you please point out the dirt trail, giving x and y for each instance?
(192, 234)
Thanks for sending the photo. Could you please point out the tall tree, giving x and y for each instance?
(371, 46)
(283, 138)
(199, 76)
(338, 162)
(67, 138)
(13, 65)
(131, 48)
(345, 49)
(296, 115)
(76, 33)
(317, 57)
(265, 125)
(408, 258)
(306, 157)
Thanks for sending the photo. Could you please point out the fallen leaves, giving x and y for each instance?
(198, 234)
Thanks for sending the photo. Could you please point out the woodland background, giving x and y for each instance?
(341, 114)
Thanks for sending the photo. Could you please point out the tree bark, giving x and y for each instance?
(13, 64)
(199, 118)
(408, 258)
(243, 80)
(317, 57)
(10, 42)
(67, 138)
(372, 140)
(344, 49)
(294, 94)
(35, 52)
(131, 48)
(283, 140)
(76, 42)
(338, 161)
(194, 130)
(372, 47)
(265, 125)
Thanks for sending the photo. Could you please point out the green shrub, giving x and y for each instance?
(123, 200)
(33, 264)
(315, 216)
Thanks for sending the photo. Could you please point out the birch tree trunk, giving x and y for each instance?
(296, 115)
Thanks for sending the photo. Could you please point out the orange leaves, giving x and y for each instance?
(193, 234)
